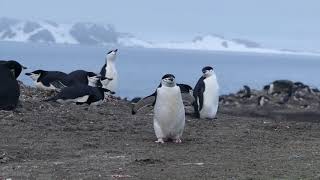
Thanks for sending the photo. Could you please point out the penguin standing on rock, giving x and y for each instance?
(9, 90)
(109, 71)
(206, 95)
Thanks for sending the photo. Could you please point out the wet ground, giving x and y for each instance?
(42, 140)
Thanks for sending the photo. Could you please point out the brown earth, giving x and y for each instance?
(41, 140)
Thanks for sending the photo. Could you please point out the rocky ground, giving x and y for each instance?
(277, 137)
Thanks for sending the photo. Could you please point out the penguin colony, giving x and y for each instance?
(83, 87)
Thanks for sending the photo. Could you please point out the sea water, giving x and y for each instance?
(140, 70)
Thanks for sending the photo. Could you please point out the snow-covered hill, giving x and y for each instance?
(212, 43)
(51, 32)
(96, 34)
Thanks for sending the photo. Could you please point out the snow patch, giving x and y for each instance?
(60, 32)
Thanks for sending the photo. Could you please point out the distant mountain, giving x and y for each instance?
(96, 34)
(51, 32)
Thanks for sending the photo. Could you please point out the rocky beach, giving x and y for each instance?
(273, 133)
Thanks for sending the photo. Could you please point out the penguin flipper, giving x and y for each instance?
(145, 102)
(58, 84)
(198, 96)
(103, 70)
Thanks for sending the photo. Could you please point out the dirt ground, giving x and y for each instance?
(42, 140)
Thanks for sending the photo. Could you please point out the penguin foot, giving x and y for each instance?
(160, 141)
(178, 141)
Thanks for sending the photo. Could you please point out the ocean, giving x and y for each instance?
(140, 69)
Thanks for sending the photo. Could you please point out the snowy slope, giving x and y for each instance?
(96, 34)
(213, 43)
(50, 32)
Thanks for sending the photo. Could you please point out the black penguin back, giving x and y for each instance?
(9, 89)
(77, 77)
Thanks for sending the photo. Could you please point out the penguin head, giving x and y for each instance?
(15, 67)
(168, 80)
(111, 55)
(207, 71)
(93, 78)
(266, 87)
(35, 75)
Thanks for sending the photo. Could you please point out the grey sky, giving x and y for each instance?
(274, 23)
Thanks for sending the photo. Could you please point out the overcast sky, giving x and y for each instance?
(274, 23)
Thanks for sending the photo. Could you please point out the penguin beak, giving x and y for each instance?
(115, 50)
(23, 67)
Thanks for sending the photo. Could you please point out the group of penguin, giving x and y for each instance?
(83, 87)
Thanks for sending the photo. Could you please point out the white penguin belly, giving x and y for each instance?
(169, 113)
(81, 99)
(42, 86)
(210, 99)
(112, 73)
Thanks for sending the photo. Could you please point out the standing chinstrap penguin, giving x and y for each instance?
(110, 72)
(169, 113)
(206, 94)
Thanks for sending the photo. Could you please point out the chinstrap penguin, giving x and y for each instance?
(75, 78)
(82, 94)
(148, 101)
(109, 71)
(48, 80)
(280, 86)
(9, 90)
(245, 92)
(15, 67)
(206, 95)
(169, 113)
